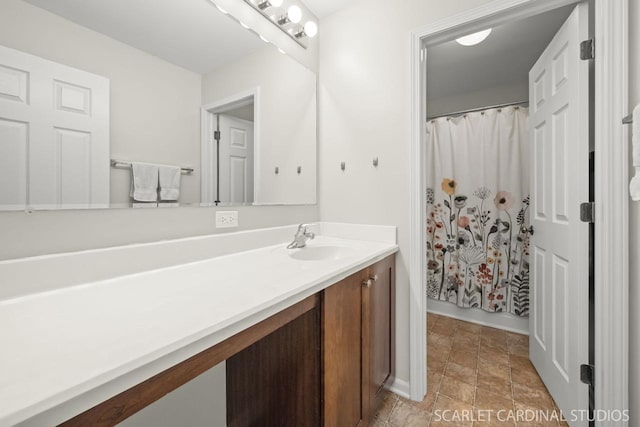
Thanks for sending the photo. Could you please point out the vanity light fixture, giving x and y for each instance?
(288, 22)
(475, 38)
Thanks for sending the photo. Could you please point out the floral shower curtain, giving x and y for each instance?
(477, 210)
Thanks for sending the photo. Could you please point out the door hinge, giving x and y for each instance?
(586, 374)
(588, 49)
(588, 212)
(216, 135)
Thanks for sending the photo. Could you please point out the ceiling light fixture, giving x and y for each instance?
(475, 38)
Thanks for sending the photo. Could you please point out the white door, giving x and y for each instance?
(559, 324)
(54, 134)
(236, 160)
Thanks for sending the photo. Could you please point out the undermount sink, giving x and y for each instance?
(320, 253)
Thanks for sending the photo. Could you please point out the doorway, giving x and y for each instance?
(610, 22)
(229, 146)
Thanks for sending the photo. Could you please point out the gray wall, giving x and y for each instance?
(365, 112)
(44, 232)
(504, 94)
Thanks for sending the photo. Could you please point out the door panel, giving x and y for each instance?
(236, 160)
(342, 352)
(13, 163)
(558, 90)
(66, 115)
(378, 332)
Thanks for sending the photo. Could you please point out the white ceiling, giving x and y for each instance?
(322, 8)
(190, 33)
(505, 57)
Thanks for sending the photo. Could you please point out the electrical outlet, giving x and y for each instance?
(226, 219)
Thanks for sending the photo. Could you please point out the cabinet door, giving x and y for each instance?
(275, 382)
(378, 332)
(342, 351)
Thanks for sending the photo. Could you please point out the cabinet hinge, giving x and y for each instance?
(216, 135)
(588, 212)
(588, 49)
(586, 374)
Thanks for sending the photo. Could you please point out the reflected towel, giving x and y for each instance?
(144, 182)
(169, 182)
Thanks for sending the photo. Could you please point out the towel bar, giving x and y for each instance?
(124, 164)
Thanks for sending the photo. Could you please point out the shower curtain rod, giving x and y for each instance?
(472, 110)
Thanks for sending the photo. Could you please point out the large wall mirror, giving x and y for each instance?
(149, 103)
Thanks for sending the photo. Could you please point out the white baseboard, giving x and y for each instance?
(401, 388)
(503, 321)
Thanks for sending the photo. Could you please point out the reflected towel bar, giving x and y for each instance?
(123, 164)
(628, 120)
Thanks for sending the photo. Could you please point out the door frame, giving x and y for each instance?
(207, 112)
(611, 183)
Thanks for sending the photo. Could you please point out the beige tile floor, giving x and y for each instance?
(477, 371)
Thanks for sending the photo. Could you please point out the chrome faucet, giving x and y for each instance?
(301, 237)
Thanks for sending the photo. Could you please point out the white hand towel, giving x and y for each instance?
(169, 182)
(144, 182)
(634, 186)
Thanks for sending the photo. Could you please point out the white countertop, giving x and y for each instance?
(66, 350)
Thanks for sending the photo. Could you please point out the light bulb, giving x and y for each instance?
(310, 29)
(475, 38)
(294, 14)
(276, 3)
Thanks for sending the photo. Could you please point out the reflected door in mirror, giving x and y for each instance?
(236, 160)
(54, 134)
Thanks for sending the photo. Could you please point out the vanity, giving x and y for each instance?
(226, 96)
(307, 334)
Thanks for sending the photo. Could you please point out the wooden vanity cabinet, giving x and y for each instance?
(342, 352)
(358, 344)
(321, 362)
(378, 332)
